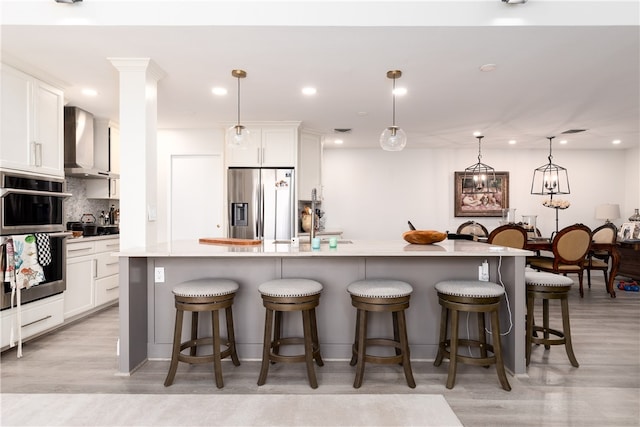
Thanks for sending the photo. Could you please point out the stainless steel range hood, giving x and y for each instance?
(78, 145)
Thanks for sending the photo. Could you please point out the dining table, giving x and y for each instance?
(546, 244)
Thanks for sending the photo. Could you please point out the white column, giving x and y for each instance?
(138, 145)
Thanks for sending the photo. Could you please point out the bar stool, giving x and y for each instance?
(471, 296)
(197, 296)
(548, 286)
(288, 295)
(380, 295)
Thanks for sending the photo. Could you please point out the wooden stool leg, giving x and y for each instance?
(231, 336)
(175, 354)
(545, 321)
(528, 343)
(195, 315)
(266, 347)
(567, 332)
(277, 332)
(361, 347)
(396, 331)
(354, 348)
(308, 348)
(497, 350)
(453, 351)
(314, 337)
(217, 363)
(482, 336)
(444, 318)
(404, 344)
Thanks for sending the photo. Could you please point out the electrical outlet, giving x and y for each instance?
(159, 275)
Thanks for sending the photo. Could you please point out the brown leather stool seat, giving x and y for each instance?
(380, 295)
(548, 286)
(471, 296)
(197, 296)
(289, 295)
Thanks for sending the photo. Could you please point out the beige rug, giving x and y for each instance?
(226, 410)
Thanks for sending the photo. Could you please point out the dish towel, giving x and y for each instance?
(21, 253)
(43, 243)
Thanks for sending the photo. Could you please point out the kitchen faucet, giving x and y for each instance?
(312, 230)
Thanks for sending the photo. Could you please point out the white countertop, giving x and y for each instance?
(71, 240)
(358, 248)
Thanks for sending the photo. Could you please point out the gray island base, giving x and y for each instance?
(147, 308)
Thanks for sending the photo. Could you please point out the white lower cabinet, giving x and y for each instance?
(92, 275)
(35, 317)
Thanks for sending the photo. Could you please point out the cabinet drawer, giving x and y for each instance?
(107, 289)
(80, 249)
(37, 316)
(107, 264)
(108, 245)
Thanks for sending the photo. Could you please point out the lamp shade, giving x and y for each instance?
(608, 211)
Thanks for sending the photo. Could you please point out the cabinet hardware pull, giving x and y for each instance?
(79, 250)
(112, 263)
(115, 287)
(36, 321)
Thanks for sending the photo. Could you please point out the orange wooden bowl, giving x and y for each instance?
(423, 237)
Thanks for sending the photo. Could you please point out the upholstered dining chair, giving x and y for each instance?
(473, 228)
(599, 259)
(511, 235)
(570, 248)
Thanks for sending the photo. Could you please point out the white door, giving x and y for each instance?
(196, 197)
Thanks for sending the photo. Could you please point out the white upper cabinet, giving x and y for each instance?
(271, 146)
(32, 135)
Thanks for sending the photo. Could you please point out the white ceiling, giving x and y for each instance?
(549, 77)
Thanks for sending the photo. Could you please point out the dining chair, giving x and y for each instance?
(510, 235)
(570, 247)
(599, 259)
(473, 228)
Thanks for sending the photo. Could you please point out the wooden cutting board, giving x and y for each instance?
(228, 241)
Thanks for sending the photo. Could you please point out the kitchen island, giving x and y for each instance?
(147, 305)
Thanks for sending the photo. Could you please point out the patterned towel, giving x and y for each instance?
(28, 271)
(43, 244)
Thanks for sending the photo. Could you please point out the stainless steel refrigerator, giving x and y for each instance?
(261, 203)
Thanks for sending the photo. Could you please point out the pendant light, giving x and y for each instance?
(393, 138)
(479, 178)
(550, 179)
(238, 136)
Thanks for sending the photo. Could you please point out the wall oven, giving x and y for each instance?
(34, 204)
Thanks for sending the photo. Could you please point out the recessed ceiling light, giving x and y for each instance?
(477, 133)
(89, 92)
(399, 91)
(487, 67)
(563, 141)
(220, 91)
(338, 141)
(616, 142)
(512, 142)
(309, 90)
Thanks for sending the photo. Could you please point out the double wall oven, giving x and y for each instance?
(34, 204)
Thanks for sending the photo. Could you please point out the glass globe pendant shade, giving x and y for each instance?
(393, 139)
(238, 136)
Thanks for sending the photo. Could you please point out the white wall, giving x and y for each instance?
(370, 193)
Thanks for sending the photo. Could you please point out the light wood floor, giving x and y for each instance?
(603, 391)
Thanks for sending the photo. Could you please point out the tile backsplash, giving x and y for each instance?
(78, 204)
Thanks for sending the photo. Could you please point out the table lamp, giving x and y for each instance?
(608, 212)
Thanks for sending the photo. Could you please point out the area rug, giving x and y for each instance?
(226, 410)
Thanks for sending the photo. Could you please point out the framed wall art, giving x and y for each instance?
(481, 204)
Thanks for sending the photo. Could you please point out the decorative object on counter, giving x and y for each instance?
(333, 242)
(629, 231)
(386, 296)
(479, 178)
(315, 243)
(635, 216)
(393, 138)
(608, 212)
(423, 237)
(307, 220)
(238, 136)
(550, 179)
(481, 204)
(228, 241)
(89, 226)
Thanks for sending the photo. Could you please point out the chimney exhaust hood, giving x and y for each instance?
(78, 145)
